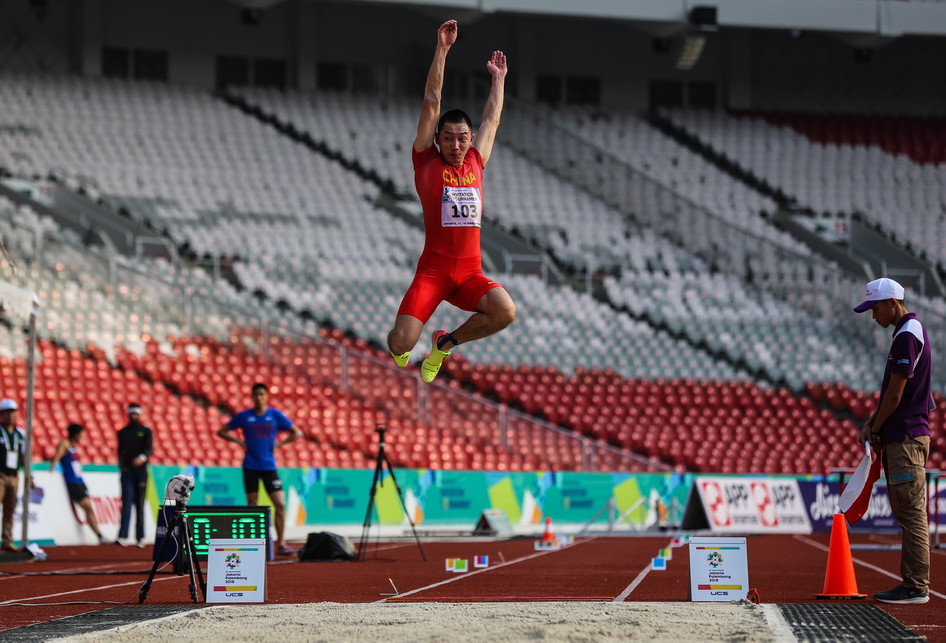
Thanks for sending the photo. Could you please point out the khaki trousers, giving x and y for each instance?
(9, 485)
(905, 470)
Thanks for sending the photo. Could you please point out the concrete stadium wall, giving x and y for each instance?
(751, 67)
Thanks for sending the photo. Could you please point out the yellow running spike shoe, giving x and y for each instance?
(431, 365)
(402, 359)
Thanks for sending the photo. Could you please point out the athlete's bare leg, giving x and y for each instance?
(86, 505)
(495, 311)
(403, 337)
(279, 516)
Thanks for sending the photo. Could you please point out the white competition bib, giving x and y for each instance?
(461, 207)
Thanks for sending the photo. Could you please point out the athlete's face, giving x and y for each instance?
(260, 398)
(454, 140)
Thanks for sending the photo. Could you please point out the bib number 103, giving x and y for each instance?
(465, 211)
(460, 207)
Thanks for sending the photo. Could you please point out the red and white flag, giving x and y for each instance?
(856, 495)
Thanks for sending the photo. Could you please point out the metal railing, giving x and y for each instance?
(150, 298)
(809, 281)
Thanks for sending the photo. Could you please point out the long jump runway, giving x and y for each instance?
(599, 588)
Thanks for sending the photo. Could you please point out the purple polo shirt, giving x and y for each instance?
(909, 353)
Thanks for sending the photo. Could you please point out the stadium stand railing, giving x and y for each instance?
(128, 343)
(318, 264)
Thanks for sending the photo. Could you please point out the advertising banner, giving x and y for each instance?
(821, 502)
(56, 520)
(746, 505)
(317, 499)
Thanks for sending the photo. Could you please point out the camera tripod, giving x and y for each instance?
(185, 557)
(382, 461)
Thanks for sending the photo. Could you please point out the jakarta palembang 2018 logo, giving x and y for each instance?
(232, 561)
(715, 559)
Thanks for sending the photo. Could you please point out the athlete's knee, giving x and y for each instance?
(505, 314)
(404, 335)
(398, 342)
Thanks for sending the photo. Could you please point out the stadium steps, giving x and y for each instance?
(500, 246)
(95, 224)
(727, 165)
(306, 139)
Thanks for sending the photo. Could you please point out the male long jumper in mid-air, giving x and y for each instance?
(448, 175)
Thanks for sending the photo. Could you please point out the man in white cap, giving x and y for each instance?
(135, 444)
(12, 444)
(900, 430)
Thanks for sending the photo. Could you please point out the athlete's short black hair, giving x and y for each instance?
(454, 116)
(258, 386)
(74, 429)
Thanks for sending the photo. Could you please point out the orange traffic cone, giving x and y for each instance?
(548, 536)
(839, 581)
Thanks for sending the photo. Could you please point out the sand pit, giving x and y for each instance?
(394, 622)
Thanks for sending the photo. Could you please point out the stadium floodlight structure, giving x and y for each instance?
(22, 304)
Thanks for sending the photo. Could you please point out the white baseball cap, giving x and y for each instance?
(879, 290)
(6, 404)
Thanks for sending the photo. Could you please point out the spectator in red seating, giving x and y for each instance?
(68, 456)
(900, 429)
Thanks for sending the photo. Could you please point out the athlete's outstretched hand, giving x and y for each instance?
(497, 65)
(447, 34)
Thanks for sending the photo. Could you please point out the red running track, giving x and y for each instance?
(784, 569)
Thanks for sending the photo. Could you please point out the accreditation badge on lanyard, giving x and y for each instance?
(13, 450)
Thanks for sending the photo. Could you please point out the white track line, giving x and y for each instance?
(637, 581)
(880, 570)
(630, 588)
(83, 590)
(69, 571)
(480, 571)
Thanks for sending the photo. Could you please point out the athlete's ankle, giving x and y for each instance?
(446, 342)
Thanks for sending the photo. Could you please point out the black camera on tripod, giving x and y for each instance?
(177, 493)
(178, 490)
(381, 462)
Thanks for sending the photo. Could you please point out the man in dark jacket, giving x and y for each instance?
(134, 449)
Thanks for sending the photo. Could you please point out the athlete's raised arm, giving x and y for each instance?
(430, 109)
(494, 105)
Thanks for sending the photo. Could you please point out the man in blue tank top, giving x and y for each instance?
(67, 456)
(260, 427)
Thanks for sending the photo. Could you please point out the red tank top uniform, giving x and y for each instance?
(450, 267)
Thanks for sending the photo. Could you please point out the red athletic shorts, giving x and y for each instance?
(459, 281)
